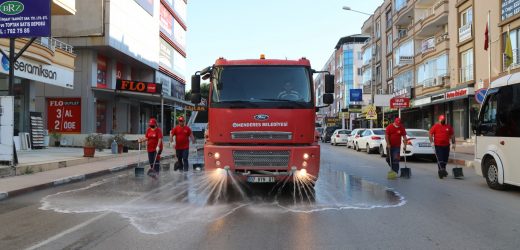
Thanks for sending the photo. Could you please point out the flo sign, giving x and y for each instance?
(25, 18)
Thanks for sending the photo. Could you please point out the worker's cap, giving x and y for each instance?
(442, 118)
(397, 120)
(152, 122)
(181, 119)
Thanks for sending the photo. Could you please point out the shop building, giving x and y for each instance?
(47, 64)
(135, 42)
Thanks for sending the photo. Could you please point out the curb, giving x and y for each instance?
(72, 179)
(465, 163)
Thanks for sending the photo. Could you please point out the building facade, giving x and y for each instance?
(47, 64)
(433, 51)
(345, 64)
(130, 63)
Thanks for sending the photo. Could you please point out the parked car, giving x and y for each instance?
(418, 144)
(356, 133)
(327, 133)
(339, 137)
(371, 140)
(319, 131)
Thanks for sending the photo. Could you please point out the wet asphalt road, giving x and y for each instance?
(354, 207)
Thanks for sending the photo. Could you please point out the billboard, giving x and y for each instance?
(25, 18)
(141, 87)
(356, 95)
(171, 28)
(101, 72)
(64, 115)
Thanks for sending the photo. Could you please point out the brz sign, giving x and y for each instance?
(25, 18)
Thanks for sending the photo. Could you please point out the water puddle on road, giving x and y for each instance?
(178, 200)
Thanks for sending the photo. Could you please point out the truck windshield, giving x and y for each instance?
(262, 87)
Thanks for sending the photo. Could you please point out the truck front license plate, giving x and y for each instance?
(260, 179)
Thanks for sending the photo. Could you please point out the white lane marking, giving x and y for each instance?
(90, 221)
(70, 230)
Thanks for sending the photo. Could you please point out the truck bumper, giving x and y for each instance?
(275, 161)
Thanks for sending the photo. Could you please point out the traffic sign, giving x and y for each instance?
(399, 102)
(355, 108)
(371, 112)
(480, 95)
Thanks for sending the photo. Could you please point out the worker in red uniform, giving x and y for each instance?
(440, 135)
(154, 146)
(182, 134)
(395, 134)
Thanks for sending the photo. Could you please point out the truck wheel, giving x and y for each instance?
(368, 149)
(491, 174)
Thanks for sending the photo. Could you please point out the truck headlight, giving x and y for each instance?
(217, 155)
(305, 156)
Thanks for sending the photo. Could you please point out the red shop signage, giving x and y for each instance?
(64, 115)
(456, 93)
(136, 86)
(399, 102)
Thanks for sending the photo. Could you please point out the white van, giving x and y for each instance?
(497, 148)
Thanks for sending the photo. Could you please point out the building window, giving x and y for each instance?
(466, 20)
(378, 74)
(367, 76)
(390, 68)
(466, 69)
(389, 19)
(399, 4)
(404, 54)
(514, 35)
(403, 80)
(378, 29)
(359, 71)
(389, 43)
(367, 55)
(431, 72)
(359, 55)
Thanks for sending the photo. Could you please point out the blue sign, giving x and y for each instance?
(480, 95)
(356, 95)
(25, 18)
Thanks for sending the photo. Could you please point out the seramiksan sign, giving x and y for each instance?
(45, 73)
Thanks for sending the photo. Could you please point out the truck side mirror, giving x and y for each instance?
(329, 84)
(195, 89)
(328, 98)
(195, 98)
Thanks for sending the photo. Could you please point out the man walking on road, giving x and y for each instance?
(182, 134)
(440, 135)
(154, 147)
(395, 134)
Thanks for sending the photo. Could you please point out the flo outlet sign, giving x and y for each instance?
(25, 18)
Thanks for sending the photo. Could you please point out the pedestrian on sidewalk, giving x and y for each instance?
(440, 135)
(182, 134)
(395, 134)
(154, 146)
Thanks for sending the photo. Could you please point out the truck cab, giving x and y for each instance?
(261, 118)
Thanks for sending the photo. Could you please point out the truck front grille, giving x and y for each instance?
(261, 158)
(261, 135)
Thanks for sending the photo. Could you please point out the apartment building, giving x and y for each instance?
(345, 64)
(433, 51)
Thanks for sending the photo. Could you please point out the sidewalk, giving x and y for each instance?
(104, 163)
(463, 155)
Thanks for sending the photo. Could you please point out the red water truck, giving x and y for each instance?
(261, 118)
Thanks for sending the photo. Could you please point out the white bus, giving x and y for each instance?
(497, 148)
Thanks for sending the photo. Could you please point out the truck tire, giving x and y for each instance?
(491, 174)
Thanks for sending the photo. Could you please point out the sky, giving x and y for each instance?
(244, 29)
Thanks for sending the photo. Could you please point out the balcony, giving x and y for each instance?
(429, 47)
(466, 74)
(465, 33)
(404, 15)
(434, 17)
(53, 44)
(435, 81)
(515, 60)
(63, 7)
